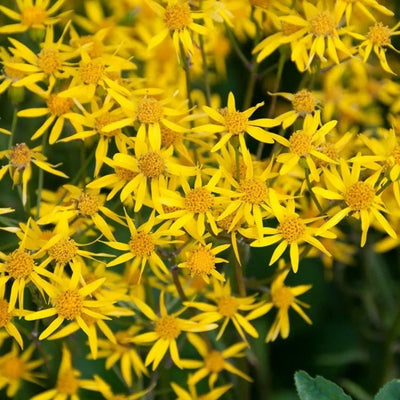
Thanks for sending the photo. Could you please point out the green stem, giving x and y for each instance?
(312, 194)
(236, 47)
(13, 127)
(186, 67)
(385, 186)
(177, 282)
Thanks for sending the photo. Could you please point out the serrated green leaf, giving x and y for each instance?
(391, 391)
(317, 388)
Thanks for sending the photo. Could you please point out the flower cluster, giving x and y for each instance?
(133, 243)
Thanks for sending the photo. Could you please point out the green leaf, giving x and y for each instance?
(391, 391)
(317, 388)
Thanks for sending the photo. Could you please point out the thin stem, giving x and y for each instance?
(237, 49)
(386, 185)
(13, 127)
(312, 194)
(186, 67)
(239, 278)
(177, 282)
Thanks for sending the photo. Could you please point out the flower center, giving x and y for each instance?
(292, 228)
(20, 156)
(12, 73)
(59, 105)
(322, 24)
(282, 297)
(226, 223)
(5, 316)
(300, 143)
(69, 304)
(141, 245)
(124, 174)
(289, 29)
(379, 34)
(151, 164)
(304, 102)
(359, 196)
(214, 361)
(167, 328)
(177, 16)
(104, 120)
(63, 251)
(168, 137)
(254, 191)
(33, 16)
(235, 122)
(88, 204)
(329, 149)
(67, 383)
(149, 111)
(49, 61)
(92, 71)
(19, 264)
(396, 154)
(201, 261)
(13, 368)
(199, 200)
(227, 306)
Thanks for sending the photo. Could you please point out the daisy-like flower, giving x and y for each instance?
(320, 27)
(150, 168)
(291, 232)
(71, 303)
(201, 261)
(167, 329)
(360, 196)
(16, 367)
(9, 75)
(123, 351)
(6, 318)
(378, 39)
(227, 307)
(68, 382)
(87, 204)
(230, 123)
(347, 7)
(284, 297)
(304, 105)
(32, 15)
(21, 158)
(304, 144)
(194, 208)
(58, 110)
(142, 245)
(49, 64)
(179, 23)
(214, 361)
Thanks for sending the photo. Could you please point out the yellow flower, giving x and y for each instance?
(284, 297)
(21, 158)
(214, 361)
(16, 367)
(347, 7)
(360, 196)
(213, 394)
(32, 15)
(179, 22)
(377, 39)
(122, 350)
(72, 304)
(68, 382)
(167, 329)
(227, 308)
(9, 75)
(291, 232)
(233, 123)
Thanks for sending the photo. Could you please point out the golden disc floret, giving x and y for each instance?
(124, 173)
(19, 264)
(69, 304)
(151, 164)
(300, 143)
(149, 111)
(12, 368)
(59, 105)
(292, 228)
(49, 61)
(88, 204)
(379, 34)
(304, 102)
(63, 251)
(228, 306)
(33, 16)
(67, 383)
(282, 297)
(235, 122)
(359, 196)
(254, 190)
(91, 72)
(201, 261)
(177, 16)
(142, 245)
(168, 137)
(322, 24)
(214, 361)
(20, 156)
(396, 154)
(5, 316)
(103, 120)
(167, 327)
(199, 200)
